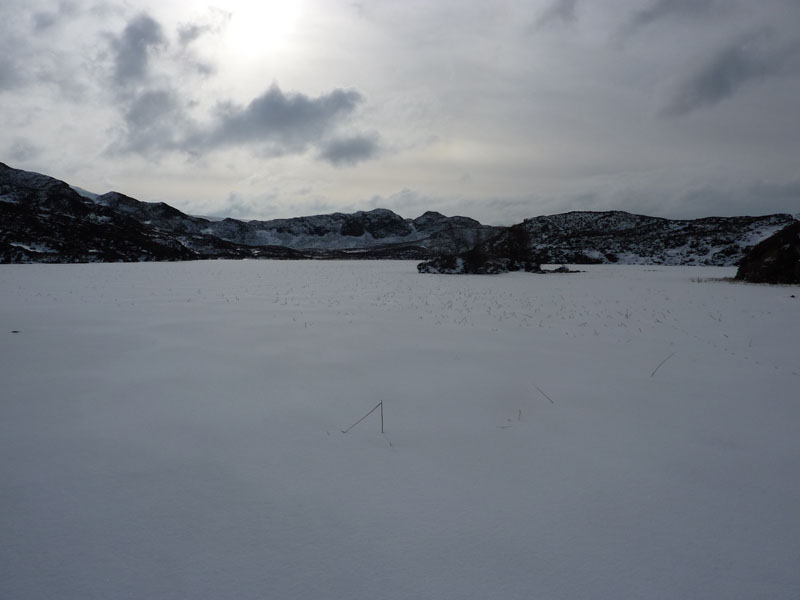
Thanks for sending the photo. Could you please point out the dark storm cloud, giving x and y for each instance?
(750, 58)
(133, 47)
(290, 121)
(562, 11)
(350, 150)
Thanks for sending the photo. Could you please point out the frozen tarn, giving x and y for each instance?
(172, 430)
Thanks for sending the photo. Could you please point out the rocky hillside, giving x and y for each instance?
(378, 229)
(621, 237)
(45, 220)
(613, 237)
(775, 260)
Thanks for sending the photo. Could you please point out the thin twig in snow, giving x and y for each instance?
(543, 394)
(377, 406)
(661, 363)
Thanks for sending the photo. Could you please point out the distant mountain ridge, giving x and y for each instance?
(45, 220)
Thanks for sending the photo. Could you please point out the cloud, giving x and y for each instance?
(410, 203)
(46, 19)
(133, 47)
(153, 122)
(273, 124)
(562, 11)
(157, 116)
(215, 23)
(150, 107)
(288, 121)
(272, 204)
(662, 9)
(9, 74)
(23, 150)
(350, 150)
(775, 196)
(238, 206)
(750, 58)
(190, 32)
(741, 198)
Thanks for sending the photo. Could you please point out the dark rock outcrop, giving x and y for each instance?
(775, 260)
(509, 251)
(612, 237)
(624, 238)
(44, 220)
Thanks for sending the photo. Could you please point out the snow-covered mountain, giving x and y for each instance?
(359, 231)
(614, 237)
(45, 220)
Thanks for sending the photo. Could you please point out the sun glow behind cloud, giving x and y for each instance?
(520, 107)
(258, 27)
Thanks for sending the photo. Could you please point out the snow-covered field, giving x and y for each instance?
(174, 431)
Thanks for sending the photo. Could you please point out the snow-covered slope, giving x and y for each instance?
(615, 236)
(38, 211)
(44, 220)
(378, 228)
(173, 430)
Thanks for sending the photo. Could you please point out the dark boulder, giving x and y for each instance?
(775, 260)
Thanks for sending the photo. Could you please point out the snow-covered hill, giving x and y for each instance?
(45, 220)
(363, 230)
(615, 236)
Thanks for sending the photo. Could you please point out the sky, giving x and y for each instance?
(498, 110)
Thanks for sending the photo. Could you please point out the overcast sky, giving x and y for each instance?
(496, 110)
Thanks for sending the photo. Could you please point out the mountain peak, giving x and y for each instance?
(37, 211)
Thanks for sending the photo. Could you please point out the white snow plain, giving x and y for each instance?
(173, 430)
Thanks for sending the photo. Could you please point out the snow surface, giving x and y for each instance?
(173, 430)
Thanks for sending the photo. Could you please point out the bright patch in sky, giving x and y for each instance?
(549, 106)
(259, 27)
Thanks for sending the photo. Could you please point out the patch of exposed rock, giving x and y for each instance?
(775, 260)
